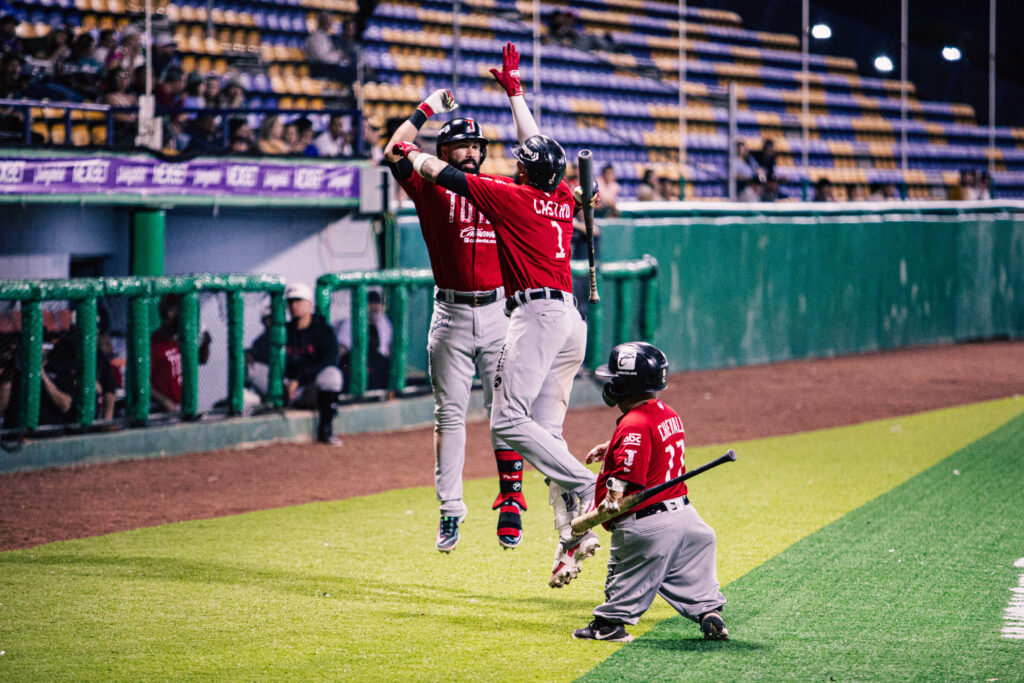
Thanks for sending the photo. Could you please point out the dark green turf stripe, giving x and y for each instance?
(911, 586)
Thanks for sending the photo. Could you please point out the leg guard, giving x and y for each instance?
(510, 501)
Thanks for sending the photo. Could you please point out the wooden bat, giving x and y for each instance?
(596, 516)
(585, 162)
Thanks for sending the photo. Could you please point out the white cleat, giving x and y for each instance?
(569, 557)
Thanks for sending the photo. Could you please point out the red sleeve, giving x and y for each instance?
(490, 195)
(630, 452)
(413, 186)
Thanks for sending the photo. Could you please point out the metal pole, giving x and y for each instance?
(991, 86)
(903, 88)
(455, 45)
(536, 62)
(805, 91)
(682, 99)
(731, 151)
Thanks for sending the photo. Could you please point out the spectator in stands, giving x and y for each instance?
(80, 71)
(772, 192)
(967, 190)
(376, 317)
(233, 95)
(374, 139)
(128, 53)
(646, 191)
(335, 141)
(195, 91)
(107, 44)
(668, 188)
(176, 138)
(312, 378)
(9, 352)
(883, 192)
(290, 135)
(165, 50)
(204, 134)
(319, 46)
(211, 92)
(9, 40)
(766, 158)
(857, 193)
(138, 79)
(12, 84)
(609, 188)
(55, 49)
(823, 190)
(270, 139)
(562, 27)
(746, 165)
(984, 185)
(165, 355)
(242, 140)
(305, 146)
(118, 95)
(753, 190)
(170, 90)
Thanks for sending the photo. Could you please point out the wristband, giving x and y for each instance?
(419, 117)
(418, 162)
(616, 485)
(427, 110)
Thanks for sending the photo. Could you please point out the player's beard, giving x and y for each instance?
(469, 166)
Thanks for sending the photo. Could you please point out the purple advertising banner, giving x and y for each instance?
(146, 176)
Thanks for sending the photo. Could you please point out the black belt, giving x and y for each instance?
(482, 299)
(656, 508)
(521, 297)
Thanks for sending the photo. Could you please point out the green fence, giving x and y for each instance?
(401, 283)
(142, 293)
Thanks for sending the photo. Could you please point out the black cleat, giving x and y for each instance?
(599, 629)
(713, 626)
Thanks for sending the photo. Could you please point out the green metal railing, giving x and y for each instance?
(400, 282)
(142, 293)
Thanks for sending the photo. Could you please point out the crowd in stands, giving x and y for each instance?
(108, 67)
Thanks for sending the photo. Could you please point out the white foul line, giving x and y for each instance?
(1014, 614)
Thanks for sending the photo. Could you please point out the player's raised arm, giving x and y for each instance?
(433, 169)
(439, 102)
(508, 78)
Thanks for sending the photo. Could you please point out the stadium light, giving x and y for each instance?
(883, 64)
(951, 54)
(821, 31)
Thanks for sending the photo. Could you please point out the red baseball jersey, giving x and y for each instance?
(646, 449)
(534, 231)
(460, 240)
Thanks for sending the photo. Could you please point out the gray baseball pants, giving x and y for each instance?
(671, 554)
(464, 340)
(543, 350)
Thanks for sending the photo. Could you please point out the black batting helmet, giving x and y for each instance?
(462, 129)
(544, 160)
(633, 368)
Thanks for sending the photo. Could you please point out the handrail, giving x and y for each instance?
(142, 292)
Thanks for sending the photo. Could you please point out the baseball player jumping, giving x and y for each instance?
(468, 325)
(662, 546)
(546, 337)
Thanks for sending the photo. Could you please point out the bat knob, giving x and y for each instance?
(731, 454)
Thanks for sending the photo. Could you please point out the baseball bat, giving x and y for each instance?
(596, 516)
(585, 162)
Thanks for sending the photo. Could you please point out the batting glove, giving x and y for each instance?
(508, 77)
(610, 504)
(440, 101)
(595, 197)
(403, 148)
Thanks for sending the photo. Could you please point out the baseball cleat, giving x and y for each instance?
(713, 627)
(569, 556)
(448, 533)
(599, 629)
(510, 524)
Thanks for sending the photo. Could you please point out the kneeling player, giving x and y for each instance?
(661, 547)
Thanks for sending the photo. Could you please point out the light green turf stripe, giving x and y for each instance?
(911, 586)
(354, 590)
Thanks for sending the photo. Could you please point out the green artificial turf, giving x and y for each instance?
(912, 586)
(354, 590)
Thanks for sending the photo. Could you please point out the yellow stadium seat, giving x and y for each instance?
(57, 133)
(42, 130)
(106, 23)
(80, 136)
(99, 135)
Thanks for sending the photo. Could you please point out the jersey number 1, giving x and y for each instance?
(561, 250)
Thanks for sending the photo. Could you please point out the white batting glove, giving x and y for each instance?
(595, 196)
(610, 503)
(440, 101)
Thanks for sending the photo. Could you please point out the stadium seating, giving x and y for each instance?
(619, 97)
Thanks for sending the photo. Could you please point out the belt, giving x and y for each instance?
(523, 296)
(670, 505)
(467, 298)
